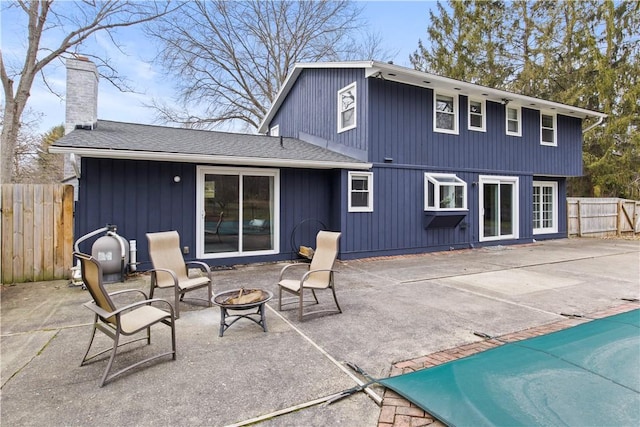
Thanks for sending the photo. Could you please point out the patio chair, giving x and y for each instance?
(126, 321)
(319, 274)
(171, 271)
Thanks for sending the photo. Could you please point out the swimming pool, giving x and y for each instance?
(586, 375)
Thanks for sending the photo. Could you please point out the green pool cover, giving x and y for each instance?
(587, 375)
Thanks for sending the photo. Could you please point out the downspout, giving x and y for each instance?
(596, 124)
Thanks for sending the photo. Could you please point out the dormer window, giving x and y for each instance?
(514, 121)
(347, 108)
(445, 113)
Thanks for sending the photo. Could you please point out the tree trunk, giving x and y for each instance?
(10, 129)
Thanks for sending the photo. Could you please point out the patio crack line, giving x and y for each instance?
(506, 301)
(369, 273)
(374, 396)
(501, 268)
(31, 359)
(517, 267)
(58, 329)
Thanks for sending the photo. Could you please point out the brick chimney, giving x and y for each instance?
(82, 94)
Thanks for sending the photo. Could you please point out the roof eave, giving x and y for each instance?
(432, 81)
(208, 159)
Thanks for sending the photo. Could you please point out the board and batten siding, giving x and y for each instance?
(141, 196)
(397, 130)
(311, 107)
(308, 198)
(138, 197)
(400, 126)
(396, 225)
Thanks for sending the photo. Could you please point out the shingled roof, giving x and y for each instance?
(146, 142)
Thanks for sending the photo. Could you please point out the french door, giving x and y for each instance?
(545, 207)
(237, 212)
(498, 208)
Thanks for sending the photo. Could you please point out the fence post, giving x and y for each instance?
(619, 219)
(579, 219)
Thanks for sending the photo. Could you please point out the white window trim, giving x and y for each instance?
(201, 171)
(554, 219)
(369, 207)
(506, 123)
(436, 196)
(555, 129)
(483, 105)
(455, 113)
(274, 131)
(495, 179)
(355, 108)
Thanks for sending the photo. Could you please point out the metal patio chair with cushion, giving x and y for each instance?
(171, 271)
(319, 274)
(127, 320)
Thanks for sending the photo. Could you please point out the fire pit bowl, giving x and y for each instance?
(242, 299)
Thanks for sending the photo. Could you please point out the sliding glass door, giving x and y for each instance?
(498, 208)
(237, 212)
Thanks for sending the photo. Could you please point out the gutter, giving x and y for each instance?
(596, 124)
(208, 159)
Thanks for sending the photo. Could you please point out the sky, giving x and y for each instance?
(400, 24)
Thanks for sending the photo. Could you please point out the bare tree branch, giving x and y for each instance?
(230, 58)
(78, 21)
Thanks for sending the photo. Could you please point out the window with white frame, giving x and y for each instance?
(477, 117)
(360, 192)
(444, 191)
(548, 129)
(445, 113)
(275, 130)
(514, 121)
(347, 108)
(545, 207)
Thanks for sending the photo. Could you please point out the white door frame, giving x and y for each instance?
(515, 211)
(201, 172)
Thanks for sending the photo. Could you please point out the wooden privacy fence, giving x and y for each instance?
(36, 232)
(602, 216)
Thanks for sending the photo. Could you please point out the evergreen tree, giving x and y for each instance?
(578, 53)
(612, 152)
(466, 45)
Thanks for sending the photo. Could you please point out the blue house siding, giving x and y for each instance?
(120, 195)
(141, 197)
(396, 225)
(311, 107)
(397, 131)
(308, 198)
(138, 197)
(401, 127)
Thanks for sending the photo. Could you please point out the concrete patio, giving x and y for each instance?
(394, 309)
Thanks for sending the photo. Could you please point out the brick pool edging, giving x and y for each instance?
(396, 411)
